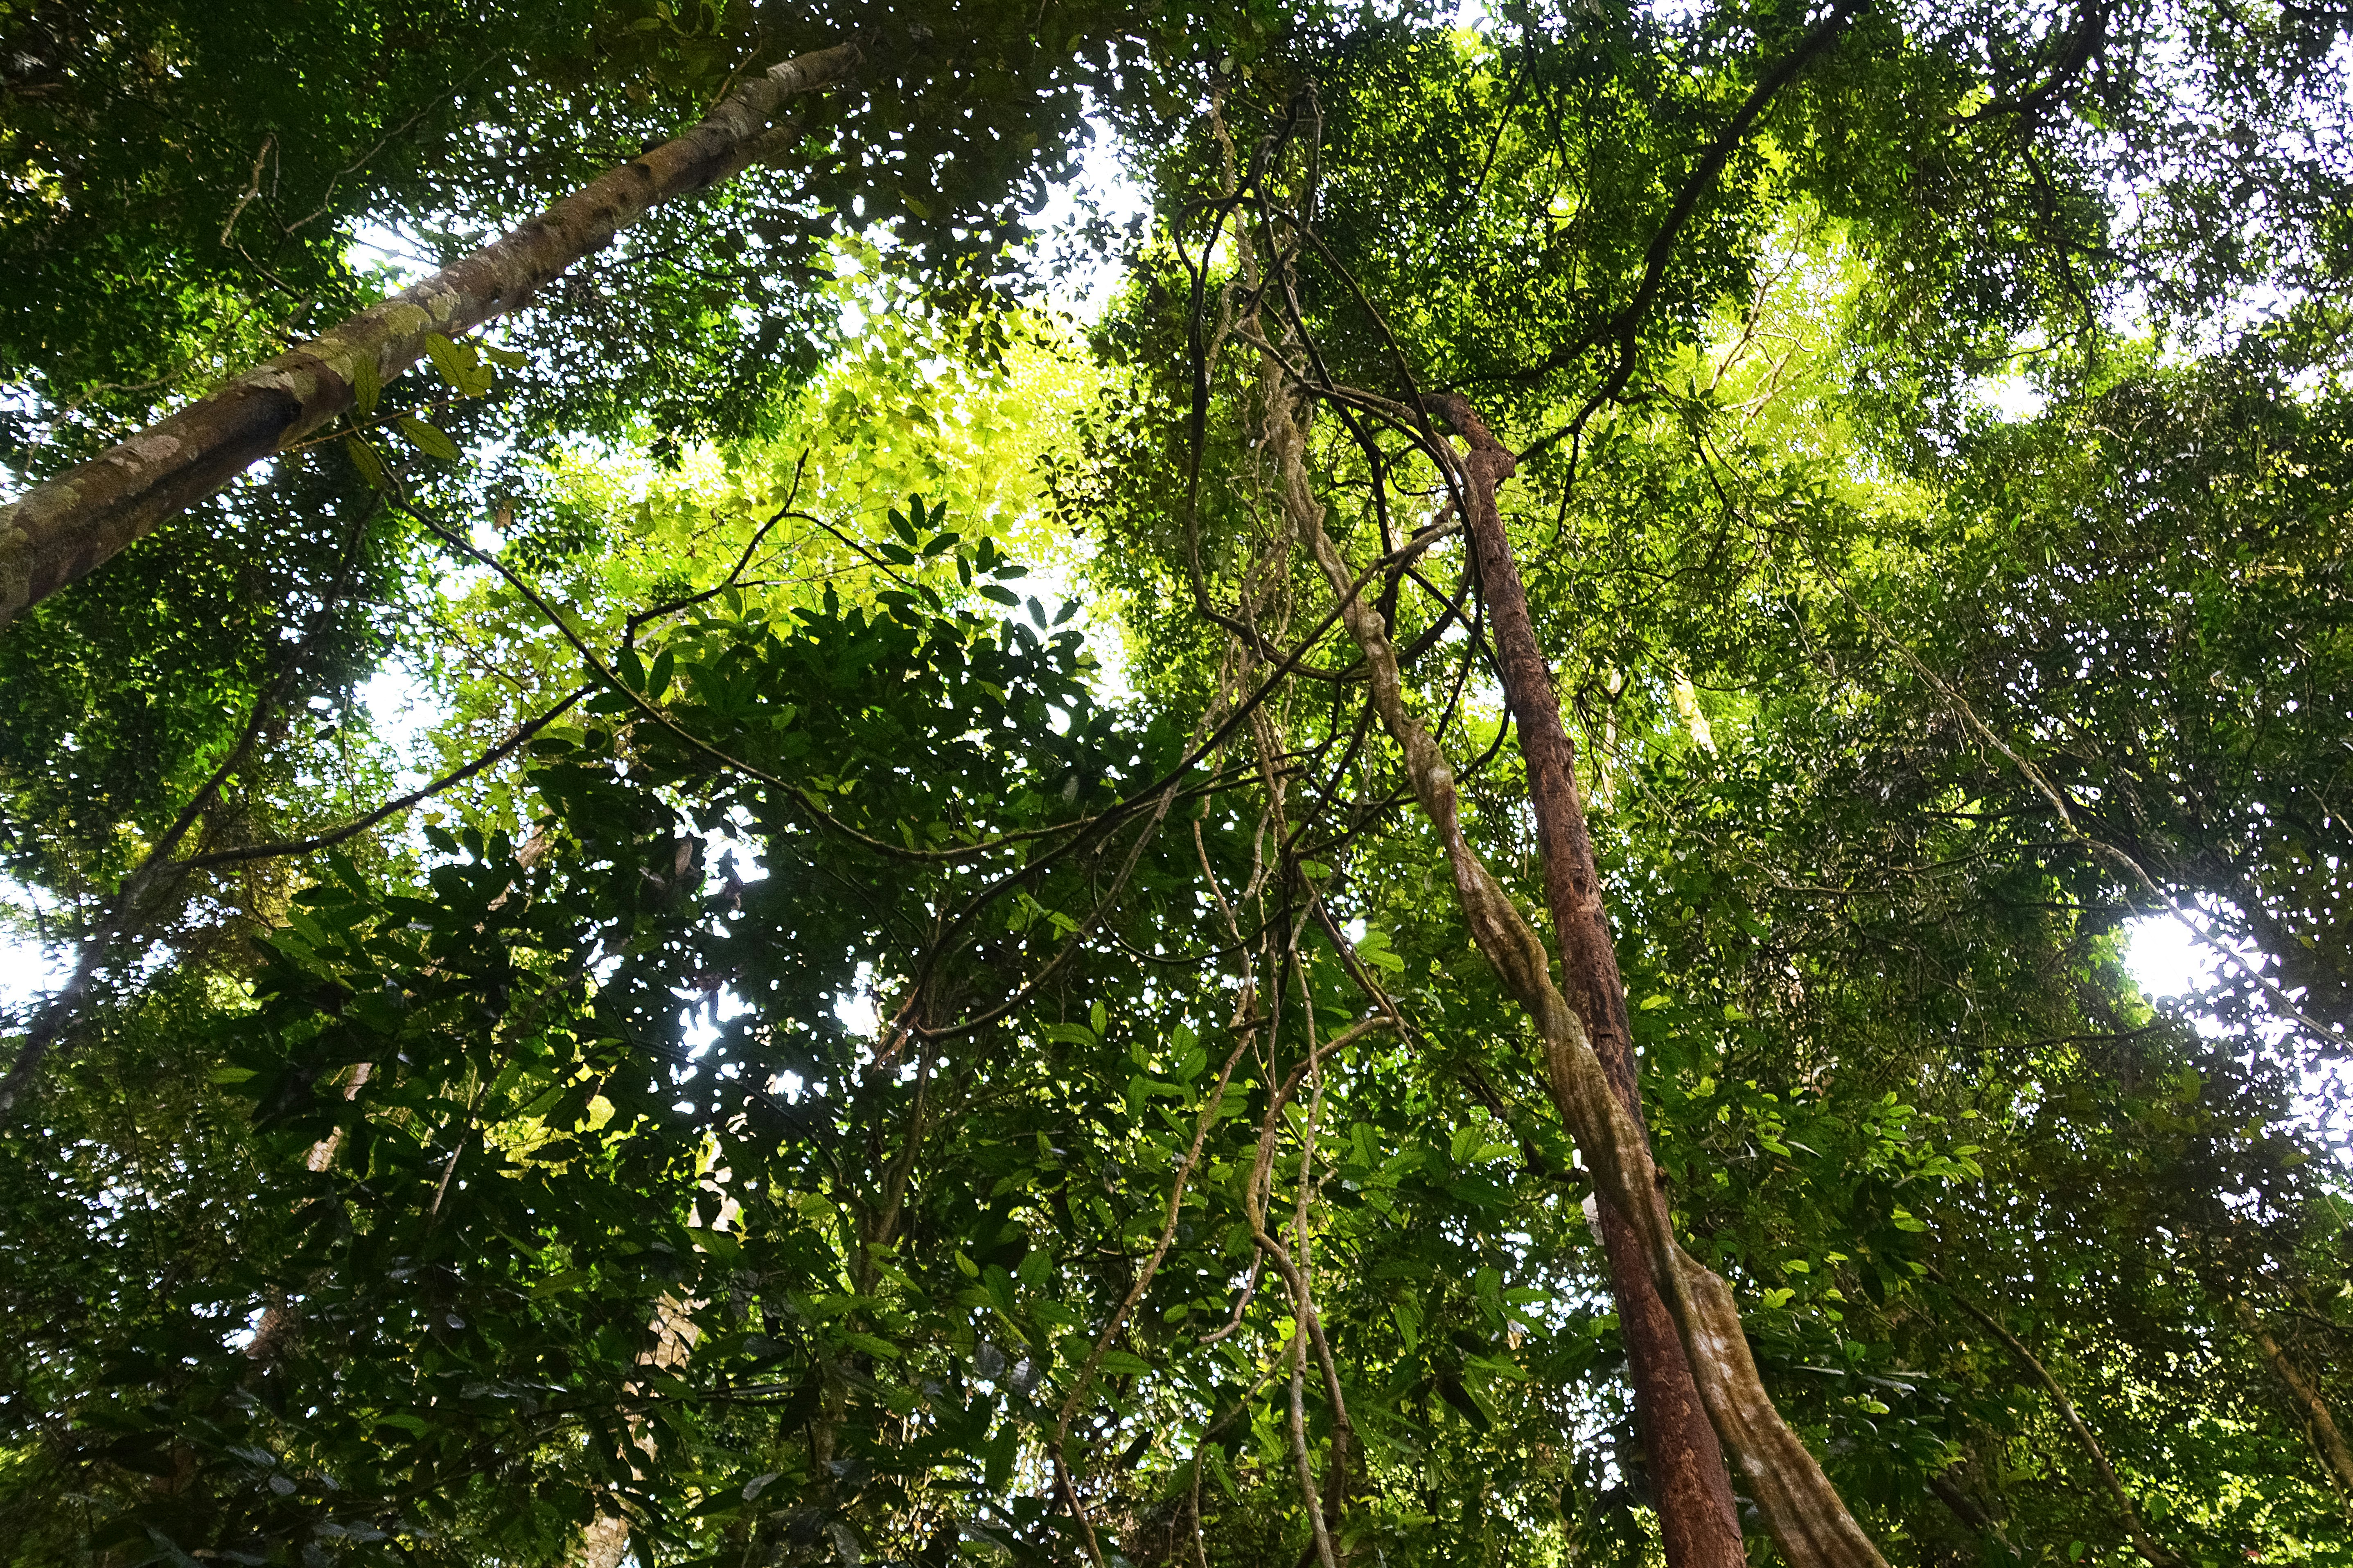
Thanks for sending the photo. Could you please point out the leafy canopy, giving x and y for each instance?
(902, 1010)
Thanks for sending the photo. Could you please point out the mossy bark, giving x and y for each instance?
(70, 524)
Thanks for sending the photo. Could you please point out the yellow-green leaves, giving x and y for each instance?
(367, 385)
(460, 365)
(363, 457)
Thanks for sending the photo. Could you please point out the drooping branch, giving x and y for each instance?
(522, 733)
(68, 525)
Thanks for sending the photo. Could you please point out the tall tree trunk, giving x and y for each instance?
(277, 1316)
(1806, 1517)
(606, 1538)
(1697, 1515)
(67, 526)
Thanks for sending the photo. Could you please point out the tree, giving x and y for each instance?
(839, 1074)
(75, 521)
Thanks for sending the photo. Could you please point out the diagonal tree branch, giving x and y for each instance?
(2325, 1435)
(358, 825)
(1697, 1515)
(1624, 326)
(66, 527)
(2156, 1555)
(1803, 1510)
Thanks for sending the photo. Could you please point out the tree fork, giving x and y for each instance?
(68, 526)
(1698, 1517)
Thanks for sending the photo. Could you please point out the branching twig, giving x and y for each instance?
(158, 864)
(2142, 1543)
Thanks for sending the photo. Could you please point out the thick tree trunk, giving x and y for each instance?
(69, 525)
(1697, 1515)
(1808, 1519)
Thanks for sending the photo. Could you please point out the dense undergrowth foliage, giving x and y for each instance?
(908, 1000)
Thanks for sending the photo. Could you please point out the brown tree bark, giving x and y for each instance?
(606, 1540)
(1808, 1519)
(1697, 1515)
(67, 526)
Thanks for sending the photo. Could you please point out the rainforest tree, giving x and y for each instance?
(1451, 887)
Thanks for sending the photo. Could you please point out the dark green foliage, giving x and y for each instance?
(777, 1075)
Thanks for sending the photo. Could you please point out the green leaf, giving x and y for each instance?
(364, 459)
(1003, 1448)
(1471, 1410)
(458, 364)
(427, 440)
(1222, 1473)
(446, 362)
(367, 385)
(1407, 1314)
(630, 669)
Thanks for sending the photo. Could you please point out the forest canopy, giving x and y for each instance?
(1184, 784)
